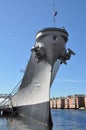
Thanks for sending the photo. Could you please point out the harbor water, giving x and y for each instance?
(63, 119)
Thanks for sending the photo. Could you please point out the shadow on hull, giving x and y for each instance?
(37, 112)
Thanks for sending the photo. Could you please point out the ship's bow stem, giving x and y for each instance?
(33, 98)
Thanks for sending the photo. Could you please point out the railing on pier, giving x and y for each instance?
(7, 101)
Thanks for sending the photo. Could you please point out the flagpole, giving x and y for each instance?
(54, 14)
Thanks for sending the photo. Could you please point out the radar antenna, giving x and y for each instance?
(54, 14)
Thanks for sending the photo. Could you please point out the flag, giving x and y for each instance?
(54, 13)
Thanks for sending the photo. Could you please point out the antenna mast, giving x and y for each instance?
(54, 14)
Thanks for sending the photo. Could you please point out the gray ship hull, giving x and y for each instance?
(33, 97)
(37, 112)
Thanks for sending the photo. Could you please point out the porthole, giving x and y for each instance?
(54, 37)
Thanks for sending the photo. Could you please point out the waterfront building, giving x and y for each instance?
(53, 103)
(60, 102)
(66, 104)
(80, 101)
(70, 102)
(85, 101)
(57, 103)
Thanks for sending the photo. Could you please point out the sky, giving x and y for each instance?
(20, 20)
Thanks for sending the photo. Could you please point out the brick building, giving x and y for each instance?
(57, 103)
(85, 101)
(60, 102)
(69, 102)
(80, 101)
(66, 104)
(53, 103)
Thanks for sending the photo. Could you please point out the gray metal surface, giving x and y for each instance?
(48, 53)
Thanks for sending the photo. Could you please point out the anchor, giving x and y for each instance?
(67, 56)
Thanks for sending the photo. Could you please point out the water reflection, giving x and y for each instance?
(18, 123)
(62, 120)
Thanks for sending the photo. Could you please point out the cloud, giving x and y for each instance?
(72, 80)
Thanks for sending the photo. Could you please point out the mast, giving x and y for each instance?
(54, 15)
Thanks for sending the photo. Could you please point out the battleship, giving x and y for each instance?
(48, 53)
(32, 100)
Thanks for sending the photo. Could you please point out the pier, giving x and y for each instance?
(5, 111)
(6, 106)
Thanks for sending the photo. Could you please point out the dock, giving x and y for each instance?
(5, 111)
(8, 111)
(6, 107)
